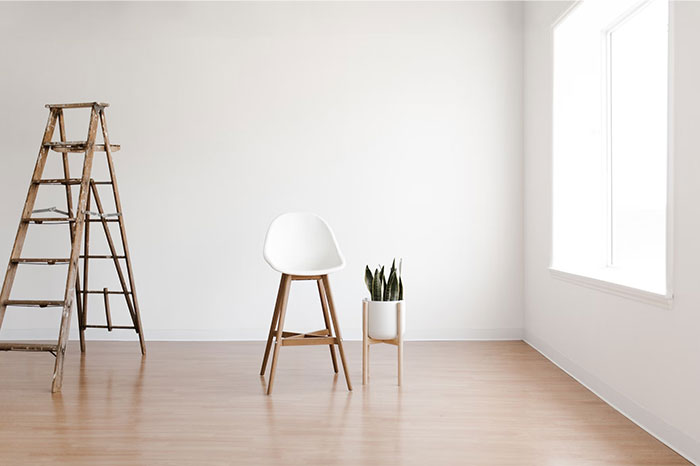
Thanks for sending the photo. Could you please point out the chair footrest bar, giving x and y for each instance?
(33, 303)
(119, 327)
(316, 334)
(27, 346)
(314, 340)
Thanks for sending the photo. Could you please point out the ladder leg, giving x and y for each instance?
(122, 231)
(69, 209)
(75, 253)
(273, 325)
(287, 279)
(26, 212)
(339, 338)
(326, 319)
(86, 268)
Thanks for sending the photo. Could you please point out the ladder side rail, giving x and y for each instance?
(75, 253)
(122, 230)
(26, 212)
(69, 203)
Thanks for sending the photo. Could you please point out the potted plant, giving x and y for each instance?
(386, 297)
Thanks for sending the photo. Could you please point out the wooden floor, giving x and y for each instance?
(462, 403)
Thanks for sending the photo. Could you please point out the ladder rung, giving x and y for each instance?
(19, 346)
(67, 181)
(113, 326)
(78, 146)
(33, 303)
(103, 292)
(103, 257)
(100, 220)
(40, 220)
(40, 260)
(78, 105)
(59, 181)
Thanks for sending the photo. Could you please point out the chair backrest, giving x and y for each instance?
(300, 243)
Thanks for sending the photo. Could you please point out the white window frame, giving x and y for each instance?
(597, 282)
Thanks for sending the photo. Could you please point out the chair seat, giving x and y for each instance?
(306, 272)
(302, 244)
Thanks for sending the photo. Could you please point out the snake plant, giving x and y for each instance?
(383, 289)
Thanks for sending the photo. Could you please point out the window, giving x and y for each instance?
(610, 148)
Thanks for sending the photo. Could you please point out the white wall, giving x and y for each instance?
(643, 359)
(400, 123)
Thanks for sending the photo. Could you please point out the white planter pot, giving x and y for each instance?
(382, 319)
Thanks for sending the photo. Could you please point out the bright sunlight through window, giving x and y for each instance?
(610, 145)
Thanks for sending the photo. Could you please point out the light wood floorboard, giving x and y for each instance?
(462, 403)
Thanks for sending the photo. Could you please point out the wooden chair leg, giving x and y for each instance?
(287, 281)
(326, 319)
(273, 325)
(339, 338)
(365, 344)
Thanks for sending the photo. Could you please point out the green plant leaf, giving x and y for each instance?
(382, 288)
(390, 286)
(368, 279)
(395, 290)
(377, 286)
(387, 287)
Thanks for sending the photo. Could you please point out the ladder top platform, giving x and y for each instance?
(78, 105)
(78, 146)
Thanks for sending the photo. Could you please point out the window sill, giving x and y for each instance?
(648, 297)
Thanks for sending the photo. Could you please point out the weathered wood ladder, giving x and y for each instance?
(78, 219)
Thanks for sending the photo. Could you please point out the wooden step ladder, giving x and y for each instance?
(79, 220)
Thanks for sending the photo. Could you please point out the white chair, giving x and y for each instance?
(301, 246)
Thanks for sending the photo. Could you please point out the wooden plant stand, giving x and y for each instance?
(367, 341)
(78, 218)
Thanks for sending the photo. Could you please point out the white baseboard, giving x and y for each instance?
(243, 335)
(675, 439)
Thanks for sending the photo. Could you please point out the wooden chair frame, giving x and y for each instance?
(318, 337)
